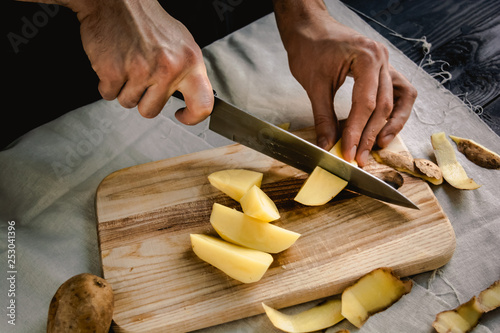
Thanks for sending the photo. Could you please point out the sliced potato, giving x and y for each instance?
(460, 320)
(235, 182)
(477, 153)
(285, 126)
(257, 204)
(321, 186)
(489, 299)
(317, 318)
(372, 293)
(452, 171)
(241, 229)
(240, 263)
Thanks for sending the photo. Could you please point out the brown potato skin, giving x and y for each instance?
(478, 155)
(84, 303)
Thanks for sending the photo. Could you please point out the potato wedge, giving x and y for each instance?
(321, 186)
(460, 320)
(317, 318)
(372, 293)
(84, 303)
(255, 203)
(235, 182)
(452, 171)
(489, 299)
(477, 153)
(240, 263)
(241, 229)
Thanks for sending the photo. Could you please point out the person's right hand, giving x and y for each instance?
(142, 55)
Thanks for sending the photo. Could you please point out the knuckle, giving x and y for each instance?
(386, 106)
(368, 105)
(412, 92)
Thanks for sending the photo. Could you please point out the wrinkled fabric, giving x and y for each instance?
(48, 179)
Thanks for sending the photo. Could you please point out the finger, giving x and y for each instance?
(111, 79)
(110, 85)
(378, 118)
(153, 101)
(138, 81)
(404, 95)
(199, 98)
(131, 94)
(325, 119)
(364, 101)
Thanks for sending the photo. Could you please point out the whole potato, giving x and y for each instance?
(84, 303)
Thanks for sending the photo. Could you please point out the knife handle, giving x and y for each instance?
(179, 95)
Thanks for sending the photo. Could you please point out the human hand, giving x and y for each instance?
(142, 55)
(322, 53)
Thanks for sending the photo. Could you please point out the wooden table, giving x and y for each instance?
(465, 34)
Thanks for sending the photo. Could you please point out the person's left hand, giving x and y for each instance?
(322, 53)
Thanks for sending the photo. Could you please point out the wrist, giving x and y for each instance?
(296, 16)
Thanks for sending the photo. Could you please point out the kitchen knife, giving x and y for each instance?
(248, 130)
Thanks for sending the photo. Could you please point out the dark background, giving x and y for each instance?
(47, 73)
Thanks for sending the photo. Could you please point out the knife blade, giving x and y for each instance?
(264, 137)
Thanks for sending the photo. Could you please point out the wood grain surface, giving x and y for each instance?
(146, 213)
(463, 33)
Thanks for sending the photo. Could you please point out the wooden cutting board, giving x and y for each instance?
(145, 215)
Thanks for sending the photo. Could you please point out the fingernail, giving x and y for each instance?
(387, 139)
(363, 157)
(322, 142)
(352, 153)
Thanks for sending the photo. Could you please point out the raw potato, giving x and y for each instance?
(84, 303)
(321, 186)
(477, 153)
(240, 263)
(317, 318)
(452, 171)
(241, 229)
(460, 320)
(235, 182)
(404, 162)
(466, 316)
(489, 299)
(372, 293)
(257, 204)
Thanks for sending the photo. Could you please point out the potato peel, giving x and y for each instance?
(466, 316)
(372, 293)
(459, 320)
(452, 170)
(489, 299)
(404, 162)
(317, 318)
(477, 153)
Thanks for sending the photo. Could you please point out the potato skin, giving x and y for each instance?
(478, 155)
(84, 303)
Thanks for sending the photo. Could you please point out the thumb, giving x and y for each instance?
(199, 99)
